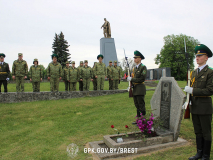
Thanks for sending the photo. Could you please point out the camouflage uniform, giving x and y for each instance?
(73, 76)
(64, 76)
(109, 75)
(19, 70)
(86, 74)
(80, 82)
(4, 73)
(54, 71)
(116, 75)
(93, 77)
(100, 72)
(35, 73)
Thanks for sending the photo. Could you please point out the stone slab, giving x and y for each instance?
(130, 142)
(97, 145)
(176, 100)
(108, 50)
(13, 97)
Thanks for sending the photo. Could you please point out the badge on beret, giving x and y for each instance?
(144, 72)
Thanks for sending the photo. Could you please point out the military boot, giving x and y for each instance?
(206, 150)
(199, 141)
(138, 116)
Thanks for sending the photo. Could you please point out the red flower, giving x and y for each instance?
(112, 126)
(126, 126)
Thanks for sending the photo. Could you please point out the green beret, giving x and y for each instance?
(54, 55)
(35, 60)
(115, 61)
(100, 55)
(20, 54)
(73, 62)
(202, 49)
(67, 62)
(85, 61)
(81, 62)
(138, 54)
(110, 61)
(2, 55)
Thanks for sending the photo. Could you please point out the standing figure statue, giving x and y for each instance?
(106, 29)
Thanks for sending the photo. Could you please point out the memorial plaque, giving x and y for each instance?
(151, 74)
(165, 104)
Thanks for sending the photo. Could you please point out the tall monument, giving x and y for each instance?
(107, 44)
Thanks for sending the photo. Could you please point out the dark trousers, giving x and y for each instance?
(67, 85)
(4, 82)
(202, 126)
(80, 85)
(140, 104)
(110, 84)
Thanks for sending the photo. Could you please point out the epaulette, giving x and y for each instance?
(142, 64)
(210, 68)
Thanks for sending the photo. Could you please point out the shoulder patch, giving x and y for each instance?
(144, 71)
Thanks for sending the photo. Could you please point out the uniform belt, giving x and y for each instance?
(3, 72)
(138, 83)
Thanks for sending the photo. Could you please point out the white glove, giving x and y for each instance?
(7, 79)
(128, 89)
(129, 79)
(188, 89)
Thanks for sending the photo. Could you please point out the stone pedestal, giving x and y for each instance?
(107, 49)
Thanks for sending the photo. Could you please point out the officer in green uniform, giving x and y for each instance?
(35, 75)
(86, 74)
(137, 79)
(201, 91)
(19, 72)
(116, 75)
(54, 73)
(79, 71)
(100, 72)
(73, 76)
(94, 79)
(4, 72)
(109, 75)
(64, 76)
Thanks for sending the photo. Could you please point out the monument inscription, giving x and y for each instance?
(165, 104)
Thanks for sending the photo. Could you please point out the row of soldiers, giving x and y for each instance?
(84, 74)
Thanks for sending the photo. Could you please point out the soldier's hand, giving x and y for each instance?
(14, 77)
(48, 78)
(30, 79)
(91, 79)
(25, 77)
(68, 80)
(112, 79)
(96, 76)
(81, 79)
(41, 79)
(129, 79)
(60, 78)
(119, 78)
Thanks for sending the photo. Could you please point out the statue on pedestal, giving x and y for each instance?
(106, 29)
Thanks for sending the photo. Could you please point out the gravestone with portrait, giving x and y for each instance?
(167, 102)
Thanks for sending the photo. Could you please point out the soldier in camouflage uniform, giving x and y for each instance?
(19, 72)
(79, 71)
(86, 74)
(94, 79)
(100, 72)
(116, 75)
(109, 75)
(35, 75)
(64, 75)
(54, 73)
(73, 76)
(4, 72)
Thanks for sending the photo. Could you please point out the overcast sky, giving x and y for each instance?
(29, 26)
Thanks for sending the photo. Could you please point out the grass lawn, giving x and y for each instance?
(43, 129)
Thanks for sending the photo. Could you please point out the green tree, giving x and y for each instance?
(60, 47)
(173, 55)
